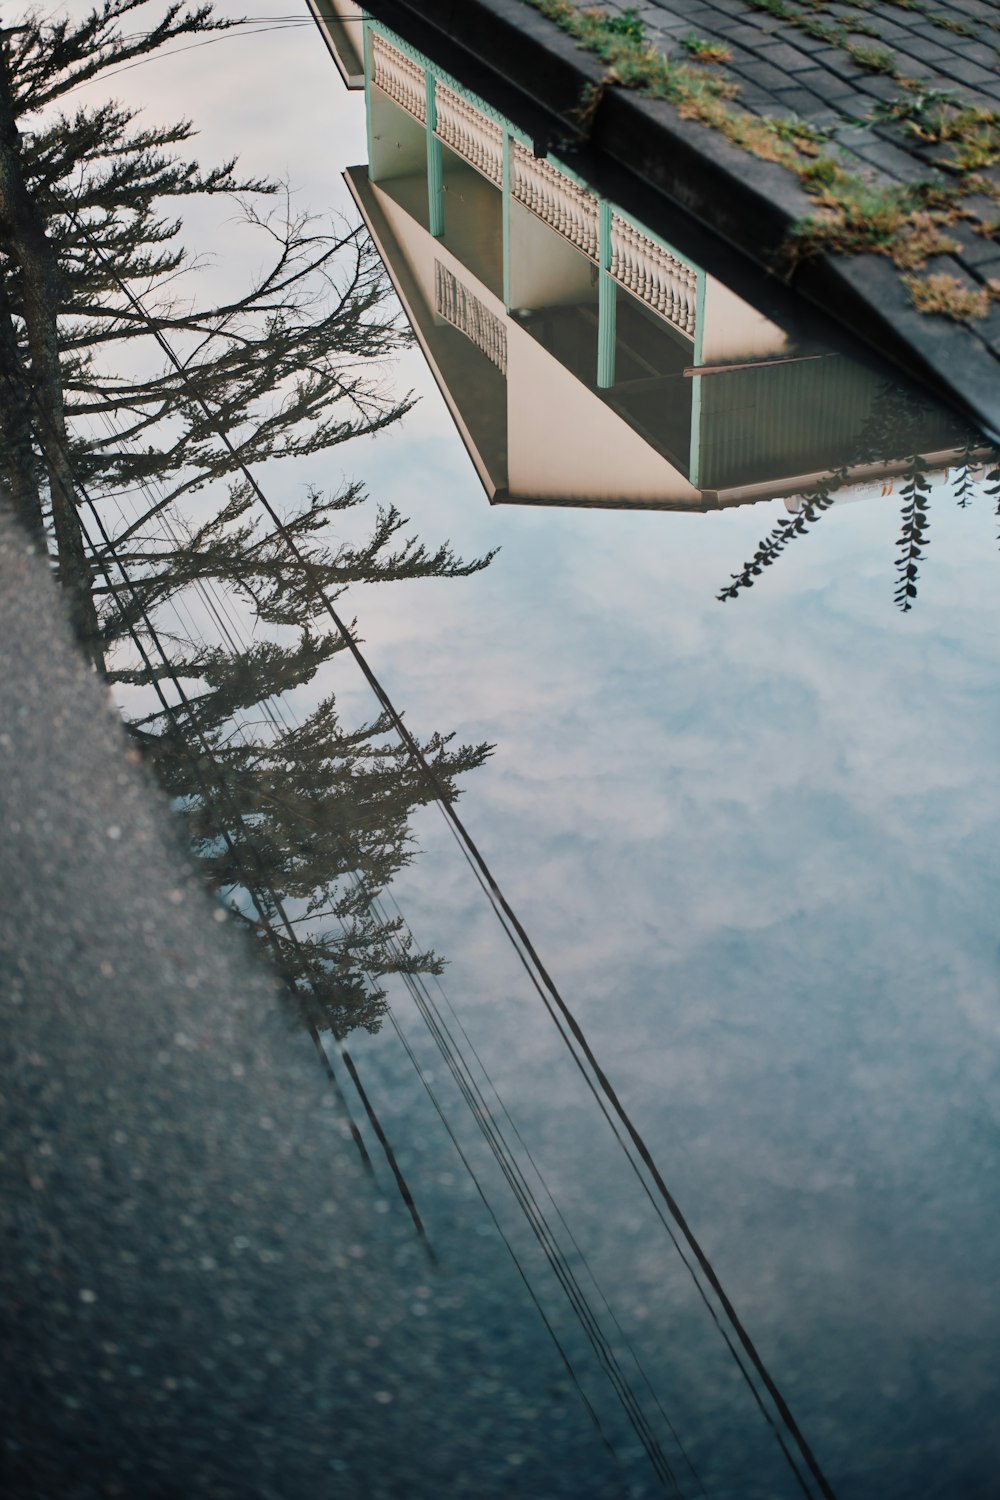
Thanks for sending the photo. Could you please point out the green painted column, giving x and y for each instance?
(366, 41)
(435, 169)
(607, 299)
(694, 465)
(505, 210)
(694, 468)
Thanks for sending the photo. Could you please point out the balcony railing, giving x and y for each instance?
(399, 77)
(464, 311)
(556, 199)
(652, 274)
(469, 134)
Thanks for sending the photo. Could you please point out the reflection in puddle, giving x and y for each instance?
(586, 361)
(597, 363)
(299, 820)
(302, 821)
(590, 357)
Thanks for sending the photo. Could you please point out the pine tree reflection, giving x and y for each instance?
(300, 822)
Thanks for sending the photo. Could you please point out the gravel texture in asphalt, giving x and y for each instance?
(205, 1293)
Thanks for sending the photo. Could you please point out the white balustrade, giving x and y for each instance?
(400, 77)
(471, 135)
(638, 263)
(556, 199)
(652, 274)
(464, 311)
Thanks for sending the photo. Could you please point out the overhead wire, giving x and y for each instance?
(265, 924)
(531, 961)
(421, 983)
(501, 1232)
(250, 29)
(516, 933)
(280, 717)
(552, 1252)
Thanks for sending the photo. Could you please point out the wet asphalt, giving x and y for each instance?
(204, 1295)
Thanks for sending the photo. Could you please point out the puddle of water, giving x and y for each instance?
(701, 1106)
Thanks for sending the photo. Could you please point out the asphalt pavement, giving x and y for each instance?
(205, 1292)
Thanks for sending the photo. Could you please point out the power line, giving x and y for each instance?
(265, 924)
(519, 938)
(289, 23)
(419, 984)
(517, 935)
(510, 1249)
(279, 717)
(539, 1227)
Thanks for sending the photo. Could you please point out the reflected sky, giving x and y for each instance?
(755, 845)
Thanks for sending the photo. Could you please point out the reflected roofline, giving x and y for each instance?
(938, 463)
(497, 492)
(360, 190)
(339, 24)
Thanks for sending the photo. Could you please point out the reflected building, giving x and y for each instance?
(584, 358)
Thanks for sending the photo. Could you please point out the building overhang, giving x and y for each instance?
(340, 25)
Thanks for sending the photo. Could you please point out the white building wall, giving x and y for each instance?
(564, 442)
(733, 330)
(420, 251)
(545, 269)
